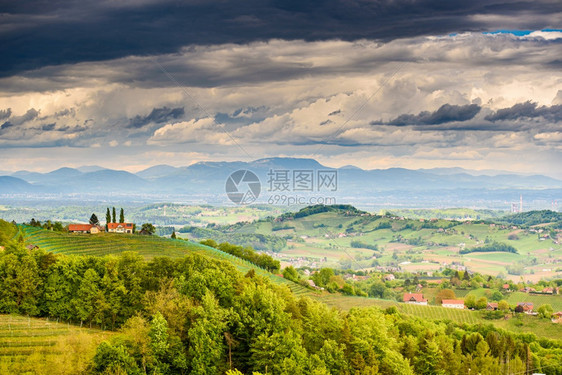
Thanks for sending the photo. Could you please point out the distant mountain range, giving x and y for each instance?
(205, 182)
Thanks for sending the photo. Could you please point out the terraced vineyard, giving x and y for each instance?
(553, 300)
(441, 313)
(428, 312)
(147, 246)
(26, 341)
(108, 243)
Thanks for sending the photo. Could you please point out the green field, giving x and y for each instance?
(513, 298)
(332, 238)
(427, 312)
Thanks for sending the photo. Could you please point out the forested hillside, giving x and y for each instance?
(199, 315)
(531, 218)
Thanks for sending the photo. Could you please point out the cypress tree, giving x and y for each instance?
(107, 217)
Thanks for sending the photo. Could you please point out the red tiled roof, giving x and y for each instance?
(452, 302)
(79, 227)
(417, 297)
(525, 305)
(117, 225)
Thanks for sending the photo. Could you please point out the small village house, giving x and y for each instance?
(492, 306)
(389, 277)
(453, 303)
(414, 298)
(84, 228)
(526, 306)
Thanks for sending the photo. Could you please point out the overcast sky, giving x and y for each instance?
(128, 84)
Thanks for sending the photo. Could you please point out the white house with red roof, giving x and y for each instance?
(453, 303)
(414, 298)
(120, 227)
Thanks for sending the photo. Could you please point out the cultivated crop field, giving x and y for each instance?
(336, 236)
(148, 246)
(42, 346)
(520, 323)
(428, 312)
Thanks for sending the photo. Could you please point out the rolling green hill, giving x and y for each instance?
(148, 246)
(151, 246)
(341, 237)
(531, 218)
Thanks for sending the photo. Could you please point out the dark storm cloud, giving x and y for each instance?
(48, 127)
(36, 34)
(71, 129)
(242, 116)
(18, 120)
(157, 116)
(5, 113)
(446, 113)
(66, 112)
(527, 110)
(6, 125)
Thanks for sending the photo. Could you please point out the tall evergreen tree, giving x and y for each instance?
(94, 220)
(107, 217)
(121, 216)
(114, 217)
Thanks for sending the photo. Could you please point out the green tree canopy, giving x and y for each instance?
(444, 294)
(148, 228)
(545, 311)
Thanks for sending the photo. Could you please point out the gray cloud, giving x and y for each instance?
(18, 120)
(157, 116)
(445, 113)
(66, 112)
(71, 129)
(28, 116)
(526, 110)
(5, 113)
(48, 127)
